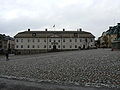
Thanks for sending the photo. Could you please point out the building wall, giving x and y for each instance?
(44, 44)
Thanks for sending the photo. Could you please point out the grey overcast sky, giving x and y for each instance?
(94, 16)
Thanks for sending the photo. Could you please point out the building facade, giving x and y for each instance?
(109, 36)
(6, 43)
(29, 42)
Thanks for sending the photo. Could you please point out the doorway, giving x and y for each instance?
(54, 47)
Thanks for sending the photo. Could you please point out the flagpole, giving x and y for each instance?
(54, 27)
(54, 30)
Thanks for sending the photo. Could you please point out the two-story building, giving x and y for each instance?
(29, 42)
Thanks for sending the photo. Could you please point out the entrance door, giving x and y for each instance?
(54, 47)
(83, 46)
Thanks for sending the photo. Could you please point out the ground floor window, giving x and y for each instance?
(17, 46)
(21, 46)
(58, 46)
(28, 46)
(49, 46)
(44, 46)
(75, 46)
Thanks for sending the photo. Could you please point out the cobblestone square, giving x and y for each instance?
(97, 66)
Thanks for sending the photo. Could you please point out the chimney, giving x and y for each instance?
(46, 29)
(110, 27)
(118, 24)
(28, 29)
(63, 29)
(80, 29)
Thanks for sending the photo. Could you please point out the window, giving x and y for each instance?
(91, 40)
(86, 39)
(75, 40)
(17, 40)
(17, 46)
(63, 40)
(44, 46)
(80, 40)
(75, 46)
(21, 46)
(38, 46)
(44, 40)
(70, 46)
(49, 40)
(63, 46)
(49, 46)
(33, 40)
(28, 40)
(70, 40)
(58, 40)
(33, 46)
(21, 40)
(58, 46)
(28, 46)
(54, 41)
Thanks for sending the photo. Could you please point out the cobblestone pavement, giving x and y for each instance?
(88, 67)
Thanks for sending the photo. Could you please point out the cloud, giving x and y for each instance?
(91, 15)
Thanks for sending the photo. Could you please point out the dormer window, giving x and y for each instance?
(75, 35)
(34, 34)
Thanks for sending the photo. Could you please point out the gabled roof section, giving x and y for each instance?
(64, 34)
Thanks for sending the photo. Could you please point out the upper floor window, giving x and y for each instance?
(58, 40)
(21, 40)
(63, 46)
(28, 40)
(21, 46)
(17, 40)
(70, 46)
(49, 46)
(44, 40)
(70, 40)
(80, 40)
(91, 40)
(86, 40)
(49, 40)
(63, 40)
(75, 40)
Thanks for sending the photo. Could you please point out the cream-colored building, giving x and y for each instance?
(29, 42)
(109, 36)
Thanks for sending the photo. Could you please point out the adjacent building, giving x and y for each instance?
(109, 36)
(6, 43)
(29, 42)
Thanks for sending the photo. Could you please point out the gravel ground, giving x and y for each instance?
(87, 67)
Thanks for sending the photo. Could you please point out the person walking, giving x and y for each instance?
(7, 55)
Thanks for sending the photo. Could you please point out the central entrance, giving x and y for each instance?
(54, 47)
